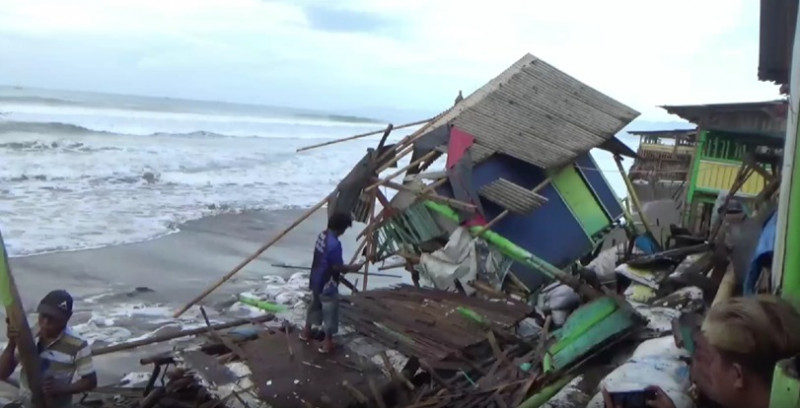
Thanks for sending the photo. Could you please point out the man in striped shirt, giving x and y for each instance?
(64, 355)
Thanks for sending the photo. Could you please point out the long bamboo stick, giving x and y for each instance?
(250, 258)
(431, 196)
(368, 239)
(183, 333)
(26, 344)
(375, 185)
(401, 153)
(633, 197)
(345, 139)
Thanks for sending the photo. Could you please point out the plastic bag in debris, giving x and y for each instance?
(655, 362)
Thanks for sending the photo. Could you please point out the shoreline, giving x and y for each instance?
(131, 290)
(169, 231)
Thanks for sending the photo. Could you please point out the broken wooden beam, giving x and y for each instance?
(183, 333)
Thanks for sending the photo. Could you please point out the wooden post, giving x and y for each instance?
(26, 344)
(250, 258)
(176, 335)
(632, 196)
(330, 142)
(384, 137)
(745, 171)
(368, 239)
(401, 153)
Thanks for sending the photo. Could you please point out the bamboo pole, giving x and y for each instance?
(250, 258)
(375, 185)
(402, 153)
(431, 196)
(345, 139)
(26, 344)
(358, 251)
(435, 185)
(183, 333)
(368, 240)
(633, 197)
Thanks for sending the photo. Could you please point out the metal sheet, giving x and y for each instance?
(767, 119)
(778, 23)
(538, 114)
(512, 197)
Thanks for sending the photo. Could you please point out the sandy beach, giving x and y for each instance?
(173, 269)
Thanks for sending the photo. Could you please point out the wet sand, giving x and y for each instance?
(176, 267)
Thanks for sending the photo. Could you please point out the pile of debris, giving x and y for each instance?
(513, 294)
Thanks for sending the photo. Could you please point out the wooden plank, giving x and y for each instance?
(26, 344)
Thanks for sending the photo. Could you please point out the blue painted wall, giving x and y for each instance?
(587, 167)
(551, 232)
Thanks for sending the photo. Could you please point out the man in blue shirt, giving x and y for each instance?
(324, 280)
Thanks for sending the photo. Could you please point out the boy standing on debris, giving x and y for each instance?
(324, 280)
(63, 354)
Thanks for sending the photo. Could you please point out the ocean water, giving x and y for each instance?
(83, 170)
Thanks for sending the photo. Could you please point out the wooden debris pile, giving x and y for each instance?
(464, 347)
(426, 323)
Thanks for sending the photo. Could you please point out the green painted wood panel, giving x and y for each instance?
(580, 200)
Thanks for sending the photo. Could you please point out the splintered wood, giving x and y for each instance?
(464, 345)
(425, 323)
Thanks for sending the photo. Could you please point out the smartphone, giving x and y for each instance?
(632, 399)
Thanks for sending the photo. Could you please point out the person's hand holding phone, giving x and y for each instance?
(652, 396)
(661, 399)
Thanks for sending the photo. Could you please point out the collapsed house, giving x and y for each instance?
(500, 235)
(517, 160)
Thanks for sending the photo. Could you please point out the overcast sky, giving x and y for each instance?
(357, 54)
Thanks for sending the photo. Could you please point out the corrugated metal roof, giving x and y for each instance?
(511, 196)
(616, 146)
(754, 118)
(665, 134)
(477, 152)
(778, 22)
(480, 153)
(538, 114)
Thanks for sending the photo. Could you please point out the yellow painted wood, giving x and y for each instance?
(666, 148)
(713, 175)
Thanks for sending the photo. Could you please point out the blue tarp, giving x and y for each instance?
(762, 254)
(647, 244)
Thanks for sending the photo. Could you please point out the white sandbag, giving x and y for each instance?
(655, 362)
